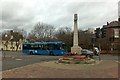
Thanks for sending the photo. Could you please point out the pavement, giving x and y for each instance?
(104, 69)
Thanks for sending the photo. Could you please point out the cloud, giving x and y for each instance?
(26, 13)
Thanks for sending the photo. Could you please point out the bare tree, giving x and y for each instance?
(43, 32)
(65, 35)
(85, 39)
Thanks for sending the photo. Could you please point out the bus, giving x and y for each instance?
(44, 48)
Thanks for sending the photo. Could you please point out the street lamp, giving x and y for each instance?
(5, 45)
(6, 40)
(6, 35)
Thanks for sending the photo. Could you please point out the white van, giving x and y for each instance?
(96, 51)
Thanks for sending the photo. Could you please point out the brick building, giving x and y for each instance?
(112, 35)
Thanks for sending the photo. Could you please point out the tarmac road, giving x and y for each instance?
(18, 59)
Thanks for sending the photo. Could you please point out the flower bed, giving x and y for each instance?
(76, 60)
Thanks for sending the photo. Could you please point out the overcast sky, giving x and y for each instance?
(59, 13)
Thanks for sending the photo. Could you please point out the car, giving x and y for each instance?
(87, 53)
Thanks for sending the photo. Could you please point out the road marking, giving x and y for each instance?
(18, 59)
(118, 61)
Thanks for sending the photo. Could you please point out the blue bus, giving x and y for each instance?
(44, 48)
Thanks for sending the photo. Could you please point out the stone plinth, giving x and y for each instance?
(76, 49)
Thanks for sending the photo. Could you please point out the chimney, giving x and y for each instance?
(107, 23)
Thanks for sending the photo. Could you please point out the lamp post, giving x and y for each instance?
(6, 40)
(5, 45)
(11, 39)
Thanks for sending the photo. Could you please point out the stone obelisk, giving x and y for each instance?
(75, 47)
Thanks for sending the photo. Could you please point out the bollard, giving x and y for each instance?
(3, 53)
(99, 57)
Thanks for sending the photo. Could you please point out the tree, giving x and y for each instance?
(43, 32)
(85, 39)
(65, 35)
(20, 31)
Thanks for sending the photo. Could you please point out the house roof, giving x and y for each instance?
(114, 23)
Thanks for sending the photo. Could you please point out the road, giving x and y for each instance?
(18, 59)
(107, 57)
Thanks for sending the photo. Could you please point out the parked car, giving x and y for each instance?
(87, 53)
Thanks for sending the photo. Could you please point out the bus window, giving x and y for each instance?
(46, 47)
(57, 47)
(50, 46)
(39, 46)
(63, 46)
(35, 46)
(26, 46)
(32, 47)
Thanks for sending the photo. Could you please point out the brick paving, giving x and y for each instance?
(105, 69)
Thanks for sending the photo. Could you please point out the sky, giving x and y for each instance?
(59, 13)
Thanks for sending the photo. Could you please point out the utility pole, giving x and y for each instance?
(98, 35)
(99, 51)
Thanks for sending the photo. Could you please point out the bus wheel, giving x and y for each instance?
(31, 53)
(51, 53)
(57, 55)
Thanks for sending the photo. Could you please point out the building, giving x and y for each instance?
(11, 41)
(111, 32)
(11, 47)
(91, 30)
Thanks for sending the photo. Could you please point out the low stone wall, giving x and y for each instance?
(76, 60)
